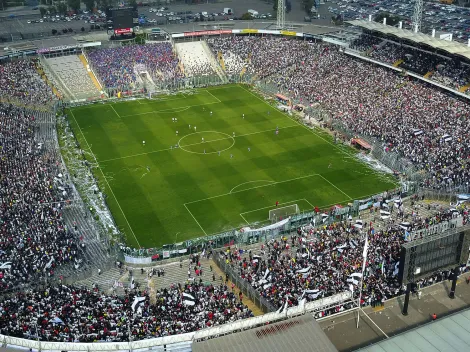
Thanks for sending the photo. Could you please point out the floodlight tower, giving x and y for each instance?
(417, 15)
(281, 14)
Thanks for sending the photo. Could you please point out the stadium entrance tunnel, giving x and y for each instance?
(206, 142)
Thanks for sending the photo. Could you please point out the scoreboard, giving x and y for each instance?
(123, 19)
(440, 251)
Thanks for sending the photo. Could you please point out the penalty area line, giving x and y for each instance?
(197, 222)
(244, 219)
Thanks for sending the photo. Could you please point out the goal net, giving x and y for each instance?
(282, 212)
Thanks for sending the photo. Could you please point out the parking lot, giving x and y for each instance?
(26, 24)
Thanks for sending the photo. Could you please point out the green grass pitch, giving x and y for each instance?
(160, 194)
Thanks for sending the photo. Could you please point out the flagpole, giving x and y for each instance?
(364, 254)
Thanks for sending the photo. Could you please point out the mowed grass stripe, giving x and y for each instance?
(154, 201)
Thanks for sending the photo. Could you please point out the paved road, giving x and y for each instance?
(18, 28)
(341, 330)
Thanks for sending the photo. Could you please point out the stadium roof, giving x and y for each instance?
(451, 47)
(301, 334)
(447, 334)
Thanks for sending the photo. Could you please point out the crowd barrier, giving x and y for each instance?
(172, 341)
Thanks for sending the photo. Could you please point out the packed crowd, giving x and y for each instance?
(76, 314)
(425, 125)
(118, 67)
(262, 56)
(33, 237)
(365, 43)
(451, 73)
(321, 262)
(19, 80)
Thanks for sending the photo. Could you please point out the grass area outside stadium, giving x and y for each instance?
(213, 159)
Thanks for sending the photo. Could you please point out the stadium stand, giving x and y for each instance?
(73, 76)
(41, 236)
(320, 262)
(116, 67)
(196, 59)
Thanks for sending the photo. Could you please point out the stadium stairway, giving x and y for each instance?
(221, 60)
(90, 72)
(398, 63)
(464, 88)
(215, 65)
(219, 273)
(429, 74)
(49, 83)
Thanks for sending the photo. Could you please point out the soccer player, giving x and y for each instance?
(176, 132)
(194, 128)
(277, 203)
(148, 168)
(249, 149)
(219, 152)
(233, 134)
(231, 156)
(202, 139)
(243, 115)
(211, 113)
(189, 126)
(204, 151)
(143, 142)
(329, 166)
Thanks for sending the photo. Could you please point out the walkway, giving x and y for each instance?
(90, 72)
(342, 331)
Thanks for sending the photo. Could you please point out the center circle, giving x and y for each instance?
(206, 142)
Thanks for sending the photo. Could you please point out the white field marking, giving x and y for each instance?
(176, 110)
(187, 145)
(212, 140)
(197, 222)
(252, 188)
(308, 202)
(102, 173)
(333, 185)
(112, 107)
(244, 219)
(244, 183)
(300, 124)
(214, 96)
(272, 207)
(169, 110)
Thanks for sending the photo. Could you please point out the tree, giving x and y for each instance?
(246, 16)
(74, 4)
(52, 10)
(54, 31)
(288, 6)
(89, 4)
(61, 8)
(307, 5)
(82, 29)
(42, 11)
(392, 20)
(133, 4)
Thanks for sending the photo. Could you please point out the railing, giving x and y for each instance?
(171, 343)
(244, 286)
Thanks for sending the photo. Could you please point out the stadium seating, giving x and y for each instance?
(73, 76)
(195, 59)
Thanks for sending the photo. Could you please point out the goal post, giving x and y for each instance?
(282, 212)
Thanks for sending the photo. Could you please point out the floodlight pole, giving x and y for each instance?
(281, 14)
(417, 15)
(362, 280)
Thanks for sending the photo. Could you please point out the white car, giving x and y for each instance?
(29, 21)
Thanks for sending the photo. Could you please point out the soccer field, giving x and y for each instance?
(160, 194)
